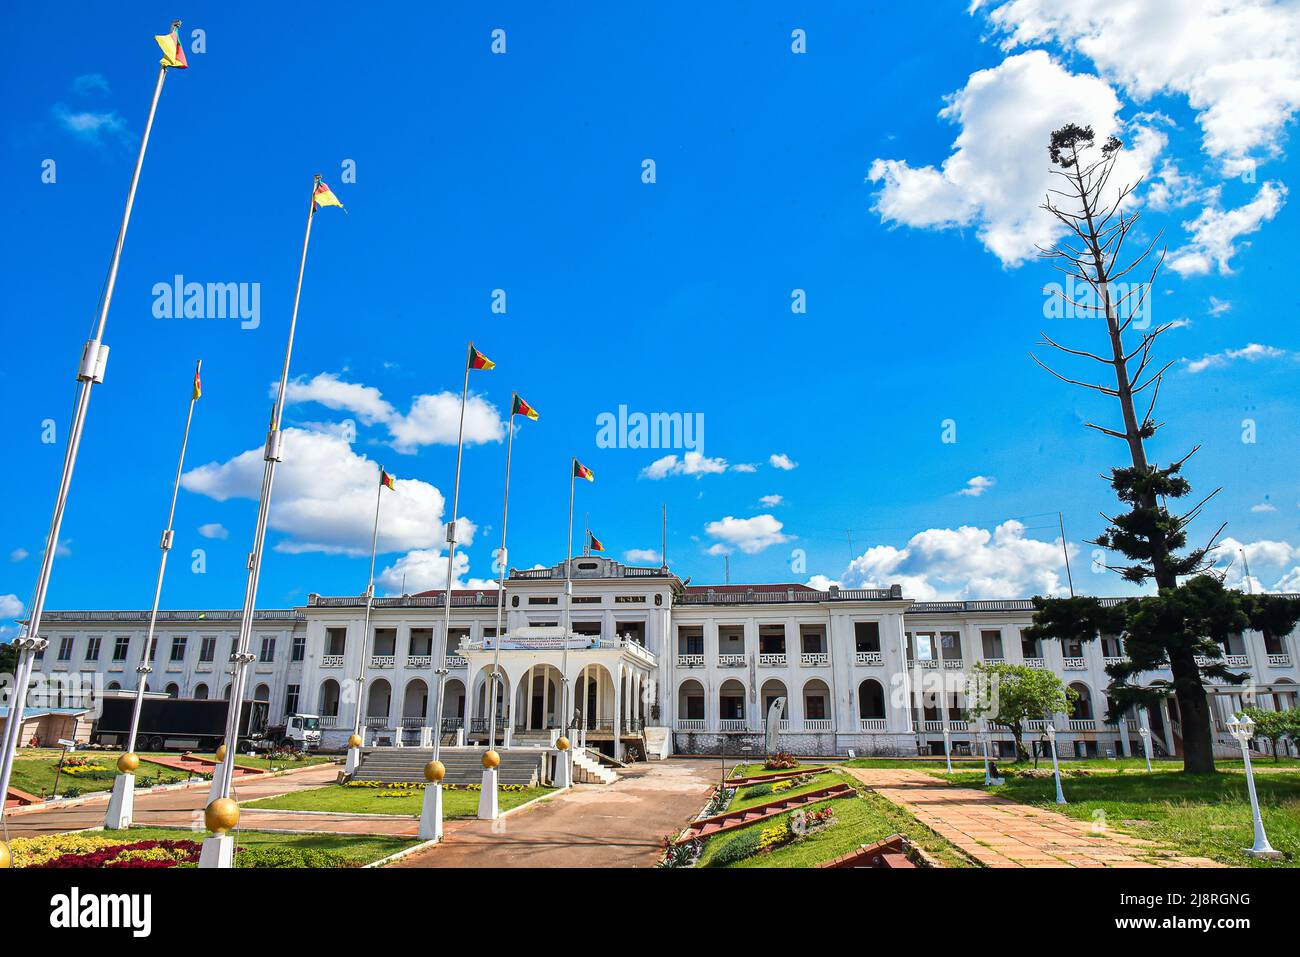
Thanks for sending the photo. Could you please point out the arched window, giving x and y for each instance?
(773, 689)
(1081, 709)
(329, 698)
(816, 700)
(201, 692)
(173, 690)
(731, 700)
(871, 699)
(690, 700)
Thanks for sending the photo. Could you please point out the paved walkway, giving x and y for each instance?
(1001, 833)
(184, 806)
(591, 825)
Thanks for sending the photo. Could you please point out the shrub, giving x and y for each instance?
(781, 761)
(758, 790)
(743, 845)
(279, 855)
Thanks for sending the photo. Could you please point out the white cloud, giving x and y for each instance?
(1269, 561)
(1253, 352)
(648, 555)
(1219, 306)
(11, 606)
(692, 463)
(770, 501)
(18, 554)
(1263, 507)
(999, 171)
(90, 84)
(426, 570)
(822, 583)
(324, 497)
(744, 467)
(1215, 232)
(1169, 189)
(90, 126)
(432, 419)
(966, 562)
(750, 535)
(977, 485)
(1236, 61)
(779, 460)
(214, 530)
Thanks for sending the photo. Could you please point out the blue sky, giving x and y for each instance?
(829, 171)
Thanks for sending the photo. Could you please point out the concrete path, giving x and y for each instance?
(184, 806)
(1001, 833)
(591, 825)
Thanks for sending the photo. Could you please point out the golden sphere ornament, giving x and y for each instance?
(491, 759)
(435, 771)
(6, 859)
(221, 753)
(221, 815)
(562, 743)
(355, 741)
(128, 762)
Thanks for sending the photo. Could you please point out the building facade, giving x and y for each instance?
(678, 667)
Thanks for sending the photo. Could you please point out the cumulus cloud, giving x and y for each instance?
(750, 535)
(779, 460)
(214, 530)
(977, 485)
(647, 555)
(744, 467)
(1252, 352)
(90, 84)
(770, 501)
(962, 563)
(1274, 565)
(1237, 62)
(324, 497)
(998, 172)
(89, 126)
(18, 554)
(1219, 307)
(11, 606)
(1263, 507)
(1215, 232)
(425, 569)
(431, 420)
(692, 463)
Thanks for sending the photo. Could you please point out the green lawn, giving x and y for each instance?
(746, 796)
(359, 849)
(1198, 815)
(753, 770)
(354, 800)
(858, 820)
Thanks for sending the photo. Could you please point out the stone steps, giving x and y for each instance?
(464, 765)
(587, 770)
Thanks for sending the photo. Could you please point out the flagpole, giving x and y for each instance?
(568, 602)
(119, 812)
(94, 357)
(221, 853)
(358, 739)
(501, 584)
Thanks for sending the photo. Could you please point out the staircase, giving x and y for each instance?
(730, 820)
(658, 743)
(589, 770)
(531, 739)
(464, 765)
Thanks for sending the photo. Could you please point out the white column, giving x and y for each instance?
(528, 701)
(618, 703)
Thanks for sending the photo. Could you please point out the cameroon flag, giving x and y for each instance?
(385, 479)
(173, 52)
(479, 361)
(596, 544)
(581, 471)
(324, 196)
(198, 384)
(520, 407)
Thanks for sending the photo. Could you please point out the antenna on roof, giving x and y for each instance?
(726, 569)
(1069, 577)
(663, 548)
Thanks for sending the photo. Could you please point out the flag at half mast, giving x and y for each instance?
(386, 480)
(479, 361)
(173, 52)
(581, 471)
(596, 544)
(520, 407)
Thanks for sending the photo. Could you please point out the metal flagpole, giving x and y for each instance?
(145, 668)
(440, 662)
(241, 657)
(568, 602)
(357, 739)
(94, 357)
(1066, 551)
(501, 584)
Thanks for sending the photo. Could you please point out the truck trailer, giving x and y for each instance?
(179, 724)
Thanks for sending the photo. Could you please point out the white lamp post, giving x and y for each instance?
(1056, 768)
(947, 747)
(1242, 728)
(984, 738)
(1145, 734)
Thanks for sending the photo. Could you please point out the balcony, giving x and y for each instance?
(731, 724)
(1081, 724)
(1076, 664)
(871, 724)
(690, 661)
(1037, 724)
(419, 661)
(1035, 663)
(873, 659)
(690, 724)
(999, 660)
(953, 664)
(331, 661)
(934, 726)
(376, 721)
(418, 721)
(1238, 661)
(782, 725)
(457, 661)
(926, 664)
(814, 659)
(772, 660)
(382, 661)
(818, 724)
(329, 721)
(1279, 661)
(732, 661)
(1115, 660)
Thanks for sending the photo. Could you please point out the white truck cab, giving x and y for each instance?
(303, 731)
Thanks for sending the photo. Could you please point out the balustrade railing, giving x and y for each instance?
(817, 724)
(690, 661)
(772, 660)
(871, 724)
(870, 658)
(419, 661)
(331, 661)
(732, 661)
(382, 661)
(731, 724)
(690, 724)
(814, 659)
(1076, 664)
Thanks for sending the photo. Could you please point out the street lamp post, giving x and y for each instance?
(1056, 768)
(1145, 733)
(1242, 728)
(984, 739)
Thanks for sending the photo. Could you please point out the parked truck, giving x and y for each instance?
(299, 731)
(180, 724)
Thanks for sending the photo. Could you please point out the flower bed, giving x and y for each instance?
(407, 786)
(69, 851)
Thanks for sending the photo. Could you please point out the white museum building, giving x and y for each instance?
(656, 665)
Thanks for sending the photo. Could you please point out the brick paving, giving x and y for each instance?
(1001, 833)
